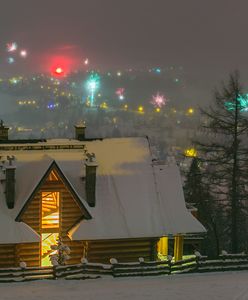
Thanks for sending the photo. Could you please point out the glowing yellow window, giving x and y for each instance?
(48, 240)
(49, 225)
(50, 211)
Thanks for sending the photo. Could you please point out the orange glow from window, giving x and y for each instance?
(49, 224)
(50, 210)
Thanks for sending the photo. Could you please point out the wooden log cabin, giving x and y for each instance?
(103, 198)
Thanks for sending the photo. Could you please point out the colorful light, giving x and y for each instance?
(13, 80)
(190, 111)
(190, 152)
(242, 103)
(52, 105)
(86, 61)
(87, 102)
(23, 53)
(58, 71)
(10, 60)
(140, 109)
(92, 85)
(53, 62)
(11, 47)
(158, 100)
(120, 93)
(104, 105)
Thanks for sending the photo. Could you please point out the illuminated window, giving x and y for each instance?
(53, 176)
(50, 211)
(48, 240)
(50, 223)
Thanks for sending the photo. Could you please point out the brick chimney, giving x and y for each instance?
(90, 180)
(10, 183)
(80, 132)
(3, 132)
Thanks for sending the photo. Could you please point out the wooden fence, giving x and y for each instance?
(85, 270)
(26, 274)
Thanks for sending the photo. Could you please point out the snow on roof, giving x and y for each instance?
(12, 232)
(28, 175)
(177, 219)
(133, 197)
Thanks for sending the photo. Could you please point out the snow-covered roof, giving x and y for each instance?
(12, 232)
(134, 198)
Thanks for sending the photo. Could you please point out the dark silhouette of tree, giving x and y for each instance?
(224, 150)
(196, 191)
(193, 188)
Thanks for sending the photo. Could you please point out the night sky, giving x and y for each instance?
(208, 38)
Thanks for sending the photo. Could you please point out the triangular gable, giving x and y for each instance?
(65, 181)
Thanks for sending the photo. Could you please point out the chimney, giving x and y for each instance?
(10, 183)
(80, 132)
(90, 181)
(3, 132)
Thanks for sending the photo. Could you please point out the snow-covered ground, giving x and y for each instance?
(211, 286)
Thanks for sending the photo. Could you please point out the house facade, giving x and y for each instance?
(103, 198)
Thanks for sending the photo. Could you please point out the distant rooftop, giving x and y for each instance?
(43, 144)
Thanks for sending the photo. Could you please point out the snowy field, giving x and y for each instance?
(229, 285)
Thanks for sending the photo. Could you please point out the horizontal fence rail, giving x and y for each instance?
(87, 270)
(26, 274)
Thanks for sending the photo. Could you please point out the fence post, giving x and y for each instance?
(23, 266)
(113, 262)
(141, 261)
(169, 259)
(197, 259)
(84, 262)
(54, 272)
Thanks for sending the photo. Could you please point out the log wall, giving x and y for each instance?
(77, 251)
(7, 256)
(29, 253)
(32, 214)
(70, 212)
(124, 250)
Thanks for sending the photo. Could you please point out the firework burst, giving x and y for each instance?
(158, 100)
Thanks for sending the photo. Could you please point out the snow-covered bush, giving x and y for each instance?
(61, 255)
(169, 257)
(198, 254)
(84, 261)
(113, 261)
(23, 265)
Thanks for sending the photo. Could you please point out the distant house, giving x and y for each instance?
(103, 198)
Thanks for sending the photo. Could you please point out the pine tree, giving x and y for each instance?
(196, 192)
(193, 183)
(225, 154)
